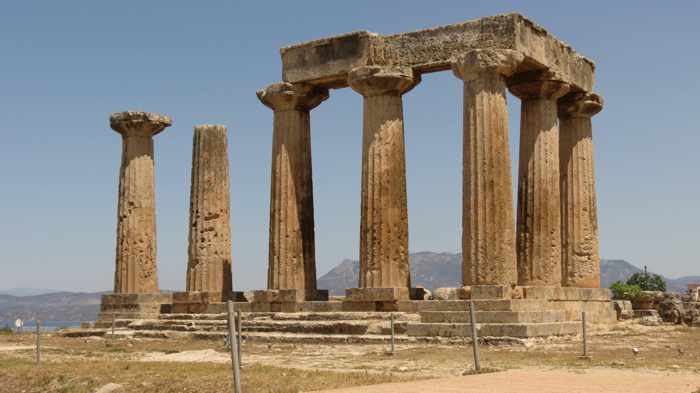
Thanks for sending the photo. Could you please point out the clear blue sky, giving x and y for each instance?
(66, 65)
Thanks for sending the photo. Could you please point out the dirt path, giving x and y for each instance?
(547, 381)
(4, 348)
(205, 355)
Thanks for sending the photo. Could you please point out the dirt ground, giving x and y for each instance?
(667, 355)
(557, 381)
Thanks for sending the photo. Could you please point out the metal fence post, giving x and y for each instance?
(475, 338)
(239, 336)
(583, 331)
(38, 341)
(392, 332)
(234, 349)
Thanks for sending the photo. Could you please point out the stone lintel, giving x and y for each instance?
(327, 61)
(566, 293)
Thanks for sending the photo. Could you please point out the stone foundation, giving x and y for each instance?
(133, 306)
(199, 302)
(285, 300)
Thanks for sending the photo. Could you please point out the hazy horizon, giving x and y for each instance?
(29, 291)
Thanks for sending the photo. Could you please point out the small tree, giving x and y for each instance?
(647, 282)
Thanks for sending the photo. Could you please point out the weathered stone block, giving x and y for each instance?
(376, 294)
(485, 292)
(566, 293)
(327, 61)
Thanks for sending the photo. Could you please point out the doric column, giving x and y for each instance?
(538, 230)
(136, 217)
(579, 217)
(292, 263)
(488, 219)
(384, 217)
(209, 253)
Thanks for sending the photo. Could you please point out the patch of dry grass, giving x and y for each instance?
(82, 365)
(22, 375)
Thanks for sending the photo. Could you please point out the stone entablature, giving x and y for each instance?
(327, 61)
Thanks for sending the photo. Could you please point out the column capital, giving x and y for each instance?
(472, 64)
(580, 105)
(538, 84)
(374, 80)
(139, 123)
(285, 96)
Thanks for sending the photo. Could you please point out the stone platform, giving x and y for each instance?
(198, 302)
(501, 312)
(133, 306)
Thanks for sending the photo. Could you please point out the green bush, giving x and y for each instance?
(5, 330)
(623, 291)
(647, 282)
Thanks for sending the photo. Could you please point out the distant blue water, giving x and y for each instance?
(45, 325)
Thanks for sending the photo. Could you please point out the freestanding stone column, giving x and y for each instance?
(579, 217)
(136, 271)
(488, 219)
(209, 254)
(384, 222)
(292, 263)
(538, 218)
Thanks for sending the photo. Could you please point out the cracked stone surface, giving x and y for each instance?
(384, 217)
(580, 250)
(292, 258)
(136, 270)
(209, 252)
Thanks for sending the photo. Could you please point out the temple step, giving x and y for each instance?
(518, 330)
(493, 316)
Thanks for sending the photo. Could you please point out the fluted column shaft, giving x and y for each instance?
(209, 252)
(292, 263)
(538, 230)
(136, 270)
(384, 211)
(488, 223)
(579, 217)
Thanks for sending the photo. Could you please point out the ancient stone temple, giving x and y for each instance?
(552, 240)
(530, 262)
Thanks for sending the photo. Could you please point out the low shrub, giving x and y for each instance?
(622, 291)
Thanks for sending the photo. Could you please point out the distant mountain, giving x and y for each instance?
(429, 269)
(59, 306)
(435, 270)
(612, 270)
(26, 291)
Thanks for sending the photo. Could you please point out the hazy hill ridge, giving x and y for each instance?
(435, 270)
